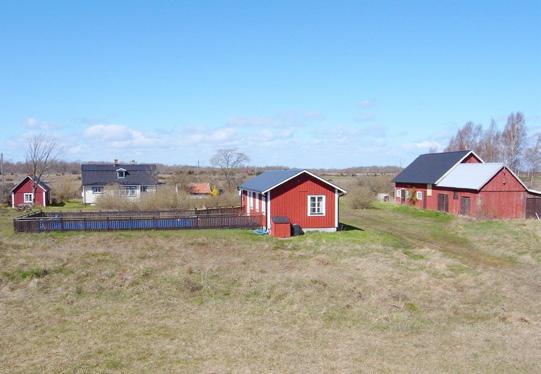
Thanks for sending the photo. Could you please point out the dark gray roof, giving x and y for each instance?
(103, 174)
(268, 179)
(430, 167)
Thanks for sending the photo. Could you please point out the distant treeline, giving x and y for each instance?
(74, 167)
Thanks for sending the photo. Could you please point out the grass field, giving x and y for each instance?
(401, 290)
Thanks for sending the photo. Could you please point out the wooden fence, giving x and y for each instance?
(157, 220)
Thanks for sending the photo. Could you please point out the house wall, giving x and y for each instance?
(291, 200)
(471, 159)
(502, 197)
(26, 187)
(90, 198)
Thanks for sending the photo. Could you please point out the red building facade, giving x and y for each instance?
(304, 198)
(486, 190)
(22, 194)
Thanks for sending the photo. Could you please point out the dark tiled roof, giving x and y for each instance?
(103, 174)
(430, 167)
(269, 179)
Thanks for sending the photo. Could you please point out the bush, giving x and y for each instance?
(64, 191)
(360, 197)
(364, 191)
(165, 197)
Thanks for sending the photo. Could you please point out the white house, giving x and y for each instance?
(127, 180)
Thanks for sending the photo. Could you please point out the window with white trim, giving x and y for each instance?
(121, 173)
(316, 205)
(97, 190)
(398, 192)
(28, 198)
(419, 195)
(130, 190)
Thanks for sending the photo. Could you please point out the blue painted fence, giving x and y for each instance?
(103, 221)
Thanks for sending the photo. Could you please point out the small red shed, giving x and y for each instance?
(298, 195)
(22, 194)
(281, 227)
(461, 183)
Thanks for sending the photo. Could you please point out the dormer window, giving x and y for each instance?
(121, 173)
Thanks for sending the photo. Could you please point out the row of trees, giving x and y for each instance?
(512, 146)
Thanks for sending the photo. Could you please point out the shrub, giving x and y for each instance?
(360, 197)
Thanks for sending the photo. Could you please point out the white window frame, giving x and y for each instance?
(26, 201)
(250, 200)
(96, 190)
(263, 203)
(322, 205)
(398, 193)
(129, 191)
(408, 194)
(144, 188)
(419, 195)
(119, 172)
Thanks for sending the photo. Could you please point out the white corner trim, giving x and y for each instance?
(336, 197)
(13, 199)
(268, 210)
(44, 198)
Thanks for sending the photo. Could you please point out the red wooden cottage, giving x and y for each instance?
(294, 196)
(461, 183)
(22, 193)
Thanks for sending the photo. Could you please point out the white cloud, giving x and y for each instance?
(424, 145)
(109, 132)
(366, 103)
(32, 123)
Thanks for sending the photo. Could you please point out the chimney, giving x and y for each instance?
(115, 161)
(133, 162)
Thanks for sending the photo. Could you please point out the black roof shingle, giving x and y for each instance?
(430, 167)
(103, 174)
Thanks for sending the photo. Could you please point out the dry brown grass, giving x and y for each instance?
(165, 197)
(229, 301)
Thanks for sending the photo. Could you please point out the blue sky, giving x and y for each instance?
(305, 84)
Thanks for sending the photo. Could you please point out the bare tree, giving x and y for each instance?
(40, 154)
(532, 159)
(489, 148)
(467, 138)
(228, 160)
(513, 140)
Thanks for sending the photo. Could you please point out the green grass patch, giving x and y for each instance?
(414, 212)
(22, 274)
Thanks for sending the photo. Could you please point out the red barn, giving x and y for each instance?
(298, 195)
(461, 183)
(22, 193)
